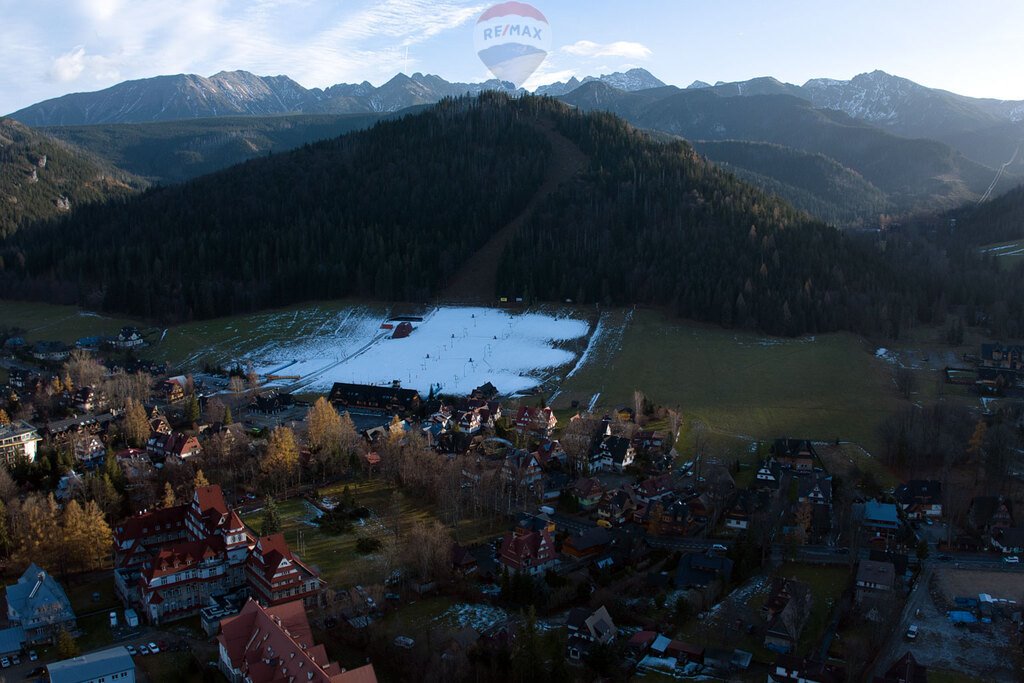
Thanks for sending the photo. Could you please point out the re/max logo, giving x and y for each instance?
(509, 30)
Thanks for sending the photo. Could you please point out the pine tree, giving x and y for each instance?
(270, 523)
(192, 411)
(67, 646)
(227, 415)
(169, 500)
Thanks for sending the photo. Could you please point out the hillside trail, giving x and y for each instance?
(476, 281)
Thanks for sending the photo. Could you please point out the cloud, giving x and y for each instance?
(69, 66)
(620, 48)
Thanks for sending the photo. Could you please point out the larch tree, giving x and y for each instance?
(200, 479)
(136, 424)
(324, 427)
(169, 500)
(282, 459)
(83, 369)
(4, 417)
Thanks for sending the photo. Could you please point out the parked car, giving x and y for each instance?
(1012, 559)
(131, 650)
(912, 632)
(153, 648)
(143, 650)
(4, 662)
(15, 660)
(32, 656)
(719, 548)
(404, 642)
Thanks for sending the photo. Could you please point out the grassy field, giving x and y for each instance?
(737, 383)
(335, 555)
(823, 387)
(60, 323)
(826, 584)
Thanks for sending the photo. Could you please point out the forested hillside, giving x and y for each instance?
(393, 212)
(654, 224)
(387, 213)
(173, 151)
(41, 177)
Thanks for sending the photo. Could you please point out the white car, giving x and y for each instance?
(719, 548)
(153, 648)
(4, 662)
(1012, 559)
(912, 632)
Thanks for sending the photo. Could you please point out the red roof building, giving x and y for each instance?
(276, 576)
(275, 645)
(168, 563)
(532, 552)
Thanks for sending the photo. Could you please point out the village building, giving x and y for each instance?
(114, 664)
(38, 605)
(18, 442)
(177, 446)
(386, 399)
(532, 552)
(795, 454)
(533, 420)
(875, 583)
(170, 562)
(586, 628)
(612, 454)
(128, 338)
(920, 499)
(275, 645)
(786, 612)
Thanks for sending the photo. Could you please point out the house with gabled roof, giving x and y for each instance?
(275, 645)
(586, 628)
(534, 420)
(275, 575)
(798, 455)
(39, 606)
(786, 610)
(654, 488)
(169, 563)
(612, 454)
(920, 498)
(532, 552)
(588, 492)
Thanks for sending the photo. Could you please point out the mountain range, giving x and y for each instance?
(235, 93)
(844, 151)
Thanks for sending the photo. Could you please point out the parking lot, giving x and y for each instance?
(981, 650)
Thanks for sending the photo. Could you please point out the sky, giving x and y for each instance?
(52, 47)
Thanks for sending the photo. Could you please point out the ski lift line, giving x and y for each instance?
(999, 174)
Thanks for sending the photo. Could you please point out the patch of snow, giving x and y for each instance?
(454, 349)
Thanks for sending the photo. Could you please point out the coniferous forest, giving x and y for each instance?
(393, 212)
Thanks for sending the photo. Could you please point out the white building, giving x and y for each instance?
(18, 440)
(106, 666)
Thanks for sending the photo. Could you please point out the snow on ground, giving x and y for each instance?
(453, 349)
(483, 617)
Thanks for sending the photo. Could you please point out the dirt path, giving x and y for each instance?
(477, 279)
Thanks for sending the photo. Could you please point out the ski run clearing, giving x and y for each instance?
(450, 349)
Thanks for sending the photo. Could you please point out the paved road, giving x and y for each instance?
(894, 644)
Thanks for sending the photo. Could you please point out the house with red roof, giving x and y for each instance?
(169, 563)
(532, 552)
(277, 576)
(275, 645)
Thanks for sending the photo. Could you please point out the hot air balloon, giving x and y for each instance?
(512, 40)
